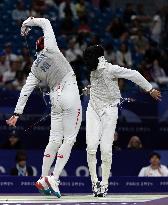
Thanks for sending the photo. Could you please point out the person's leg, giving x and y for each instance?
(55, 141)
(109, 121)
(72, 115)
(93, 127)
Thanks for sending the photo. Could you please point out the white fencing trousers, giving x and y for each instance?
(66, 115)
(100, 129)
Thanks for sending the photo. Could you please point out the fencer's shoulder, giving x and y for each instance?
(111, 67)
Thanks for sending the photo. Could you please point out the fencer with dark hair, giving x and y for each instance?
(52, 67)
(102, 111)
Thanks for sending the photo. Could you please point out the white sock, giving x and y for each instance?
(49, 156)
(106, 167)
(92, 161)
(62, 158)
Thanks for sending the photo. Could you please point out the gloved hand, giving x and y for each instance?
(25, 29)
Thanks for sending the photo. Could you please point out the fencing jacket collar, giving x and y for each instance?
(102, 62)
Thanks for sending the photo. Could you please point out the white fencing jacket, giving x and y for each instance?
(50, 66)
(104, 83)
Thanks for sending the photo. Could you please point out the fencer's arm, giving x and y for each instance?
(133, 75)
(50, 42)
(27, 89)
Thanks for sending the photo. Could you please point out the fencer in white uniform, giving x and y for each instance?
(102, 111)
(53, 68)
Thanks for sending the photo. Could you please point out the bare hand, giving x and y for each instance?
(156, 94)
(12, 121)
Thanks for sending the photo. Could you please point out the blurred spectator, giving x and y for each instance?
(128, 12)
(163, 60)
(95, 40)
(67, 8)
(9, 54)
(103, 4)
(145, 70)
(140, 9)
(19, 81)
(164, 40)
(81, 9)
(21, 168)
(73, 53)
(151, 53)
(156, 28)
(109, 54)
(95, 3)
(166, 17)
(124, 38)
(38, 8)
(140, 42)
(20, 13)
(67, 26)
(13, 142)
(116, 28)
(135, 143)
(116, 146)
(158, 73)
(74, 56)
(155, 169)
(33, 13)
(123, 56)
(15, 65)
(141, 13)
(50, 3)
(3, 67)
(26, 60)
(84, 27)
(134, 26)
(80, 41)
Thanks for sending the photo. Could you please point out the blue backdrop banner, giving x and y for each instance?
(83, 184)
(125, 162)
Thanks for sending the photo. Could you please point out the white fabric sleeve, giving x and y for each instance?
(27, 89)
(142, 173)
(50, 42)
(165, 171)
(133, 75)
